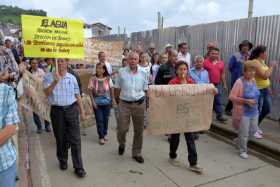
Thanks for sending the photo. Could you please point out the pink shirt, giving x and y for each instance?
(215, 71)
(236, 96)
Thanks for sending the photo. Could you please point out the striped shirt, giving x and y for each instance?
(64, 93)
(8, 116)
(132, 86)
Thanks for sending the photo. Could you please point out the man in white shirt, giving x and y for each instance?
(183, 54)
(102, 59)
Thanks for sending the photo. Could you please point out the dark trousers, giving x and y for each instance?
(218, 101)
(265, 104)
(174, 143)
(102, 118)
(37, 121)
(229, 106)
(66, 128)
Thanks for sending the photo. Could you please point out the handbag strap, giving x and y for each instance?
(106, 84)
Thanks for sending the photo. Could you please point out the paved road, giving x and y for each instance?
(105, 168)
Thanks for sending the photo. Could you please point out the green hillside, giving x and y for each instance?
(11, 14)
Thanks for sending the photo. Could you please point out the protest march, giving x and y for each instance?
(69, 84)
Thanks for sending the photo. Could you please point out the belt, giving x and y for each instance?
(64, 107)
(139, 102)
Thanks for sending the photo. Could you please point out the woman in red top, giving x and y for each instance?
(182, 77)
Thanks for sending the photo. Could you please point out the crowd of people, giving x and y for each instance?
(126, 90)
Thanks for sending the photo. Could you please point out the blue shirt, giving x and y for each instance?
(199, 77)
(250, 91)
(65, 91)
(132, 86)
(235, 66)
(8, 116)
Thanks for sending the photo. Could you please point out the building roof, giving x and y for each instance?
(101, 25)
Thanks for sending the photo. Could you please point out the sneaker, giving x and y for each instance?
(174, 162)
(196, 169)
(260, 131)
(106, 138)
(222, 119)
(257, 135)
(244, 155)
(102, 141)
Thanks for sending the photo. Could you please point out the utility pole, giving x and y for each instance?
(119, 30)
(124, 30)
(159, 21)
(251, 7)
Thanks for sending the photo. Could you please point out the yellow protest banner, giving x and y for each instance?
(52, 37)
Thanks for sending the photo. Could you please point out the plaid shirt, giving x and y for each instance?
(8, 116)
(8, 63)
(65, 90)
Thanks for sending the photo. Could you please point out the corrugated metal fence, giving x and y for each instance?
(227, 35)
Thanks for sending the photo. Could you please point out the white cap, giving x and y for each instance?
(9, 38)
(168, 45)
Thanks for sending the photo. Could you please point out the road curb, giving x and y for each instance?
(261, 147)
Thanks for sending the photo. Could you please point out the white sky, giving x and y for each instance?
(138, 15)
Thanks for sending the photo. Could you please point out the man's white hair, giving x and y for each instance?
(198, 57)
(131, 54)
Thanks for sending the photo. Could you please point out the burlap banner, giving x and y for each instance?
(34, 96)
(35, 100)
(180, 108)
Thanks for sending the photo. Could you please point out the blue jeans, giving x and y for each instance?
(8, 177)
(218, 101)
(102, 119)
(265, 104)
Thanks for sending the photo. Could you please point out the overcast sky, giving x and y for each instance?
(138, 15)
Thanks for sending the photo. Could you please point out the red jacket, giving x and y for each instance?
(176, 80)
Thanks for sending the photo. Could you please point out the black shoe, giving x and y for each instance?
(139, 159)
(172, 156)
(81, 173)
(121, 150)
(63, 166)
(222, 119)
(39, 131)
(229, 113)
(48, 129)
